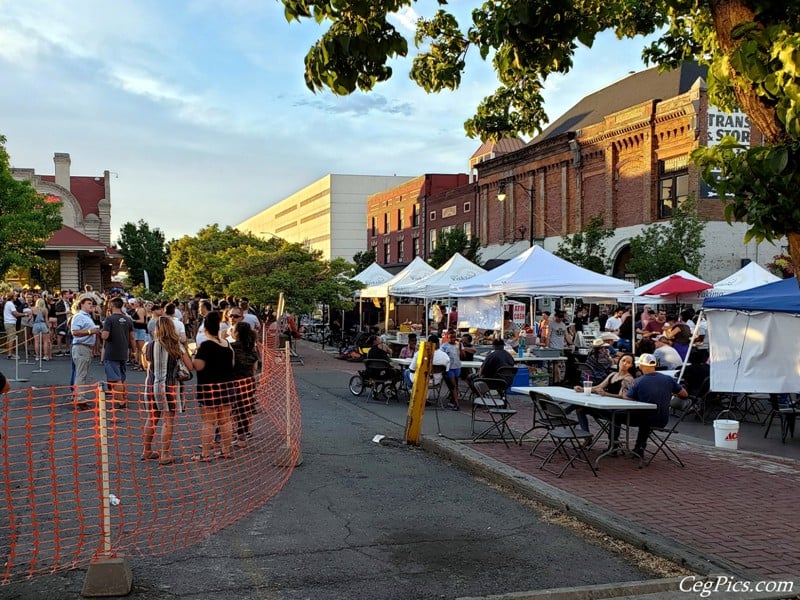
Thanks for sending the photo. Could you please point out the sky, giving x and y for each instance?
(199, 110)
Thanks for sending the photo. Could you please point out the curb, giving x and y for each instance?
(527, 486)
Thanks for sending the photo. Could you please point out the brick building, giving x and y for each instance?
(80, 252)
(621, 153)
(401, 221)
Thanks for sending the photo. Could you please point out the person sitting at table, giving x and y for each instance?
(654, 388)
(615, 385)
(378, 350)
(666, 356)
(409, 350)
(496, 359)
(599, 360)
(680, 334)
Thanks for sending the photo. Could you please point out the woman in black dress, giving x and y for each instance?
(214, 363)
(246, 364)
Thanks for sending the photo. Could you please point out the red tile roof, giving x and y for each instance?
(89, 191)
(69, 238)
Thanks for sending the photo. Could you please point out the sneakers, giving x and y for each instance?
(13, 357)
(638, 453)
(455, 407)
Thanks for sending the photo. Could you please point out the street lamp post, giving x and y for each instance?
(501, 197)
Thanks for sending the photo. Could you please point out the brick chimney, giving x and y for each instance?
(63, 162)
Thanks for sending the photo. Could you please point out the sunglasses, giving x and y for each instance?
(235, 316)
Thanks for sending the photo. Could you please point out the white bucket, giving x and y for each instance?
(726, 434)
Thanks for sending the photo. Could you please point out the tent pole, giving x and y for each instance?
(633, 326)
(701, 316)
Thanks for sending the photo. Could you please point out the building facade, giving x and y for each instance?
(327, 215)
(404, 221)
(80, 252)
(621, 153)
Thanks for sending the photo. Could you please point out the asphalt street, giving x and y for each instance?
(360, 519)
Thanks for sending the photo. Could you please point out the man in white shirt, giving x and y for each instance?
(84, 336)
(10, 315)
(439, 358)
(558, 331)
(248, 316)
(666, 355)
(614, 322)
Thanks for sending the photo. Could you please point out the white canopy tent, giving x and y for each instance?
(749, 276)
(373, 275)
(437, 284)
(416, 270)
(537, 272)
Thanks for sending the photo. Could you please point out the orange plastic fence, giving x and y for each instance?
(75, 486)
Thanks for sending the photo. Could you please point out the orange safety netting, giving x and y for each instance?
(75, 485)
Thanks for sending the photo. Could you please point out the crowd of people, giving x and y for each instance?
(170, 341)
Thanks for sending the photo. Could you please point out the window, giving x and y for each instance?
(415, 216)
(432, 243)
(387, 252)
(401, 216)
(415, 248)
(374, 226)
(673, 187)
(468, 229)
(400, 252)
(432, 216)
(386, 222)
(467, 207)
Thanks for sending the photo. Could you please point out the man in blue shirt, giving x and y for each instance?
(653, 388)
(84, 335)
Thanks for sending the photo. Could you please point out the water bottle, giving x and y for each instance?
(522, 343)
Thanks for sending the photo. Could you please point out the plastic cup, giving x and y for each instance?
(587, 389)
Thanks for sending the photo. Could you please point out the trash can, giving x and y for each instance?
(726, 433)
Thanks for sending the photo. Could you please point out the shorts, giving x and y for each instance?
(140, 335)
(454, 373)
(115, 370)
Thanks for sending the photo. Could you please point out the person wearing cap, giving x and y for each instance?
(84, 336)
(666, 355)
(599, 360)
(654, 388)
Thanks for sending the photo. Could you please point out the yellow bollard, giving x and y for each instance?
(419, 393)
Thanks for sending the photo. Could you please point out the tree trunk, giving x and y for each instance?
(727, 14)
(794, 251)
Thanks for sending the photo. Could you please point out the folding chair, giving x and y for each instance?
(434, 388)
(545, 419)
(787, 413)
(495, 407)
(680, 407)
(568, 441)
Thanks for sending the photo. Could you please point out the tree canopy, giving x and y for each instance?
(452, 241)
(363, 260)
(661, 250)
(586, 248)
(27, 219)
(752, 49)
(218, 262)
(144, 249)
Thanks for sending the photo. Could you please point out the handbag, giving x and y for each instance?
(181, 372)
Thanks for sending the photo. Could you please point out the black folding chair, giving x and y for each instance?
(659, 436)
(496, 408)
(568, 441)
(786, 413)
(381, 379)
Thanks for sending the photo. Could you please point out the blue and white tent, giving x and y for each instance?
(754, 339)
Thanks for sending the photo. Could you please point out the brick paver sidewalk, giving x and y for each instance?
(740, 507)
